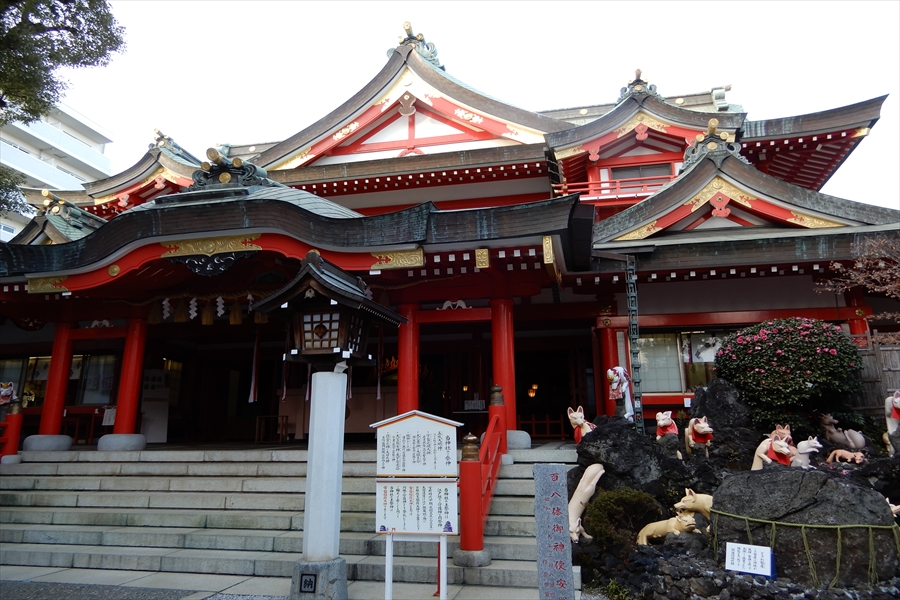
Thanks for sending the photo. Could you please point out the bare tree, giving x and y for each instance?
(877, 269)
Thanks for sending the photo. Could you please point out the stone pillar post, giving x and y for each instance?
(321, 573)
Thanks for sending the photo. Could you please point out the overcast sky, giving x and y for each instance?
(238, 72)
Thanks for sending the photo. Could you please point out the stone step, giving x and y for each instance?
(506, 548)
(188, 456)
(495, 525)
(350, 485)
(360, 567)
(175, 469)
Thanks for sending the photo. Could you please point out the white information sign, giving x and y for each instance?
(749, 559)
(416, 506)
(416, 445)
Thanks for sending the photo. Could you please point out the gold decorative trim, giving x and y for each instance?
(564, 154)
(641, 118)
(44, 285)
(714, 187)
(160, 172)
(401, 259)
(210, 246)
(294, 161)
(113, 270)
(468, 116)
(482, 258)
(812, 222)
(640, 233)
(344, 132)
(547, 242)
(861, 132)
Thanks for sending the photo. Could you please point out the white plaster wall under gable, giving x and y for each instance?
(396, 131)
(428, 127)
(753, 292)
(640, 151)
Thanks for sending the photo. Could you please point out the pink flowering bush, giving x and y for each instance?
(790, 366)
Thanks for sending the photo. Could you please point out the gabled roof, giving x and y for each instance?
(165, 168)
(640, 97)
(642, 120)
(59, 222)
(719, 189)
(330, 282)
(410, 81)
(807, 149)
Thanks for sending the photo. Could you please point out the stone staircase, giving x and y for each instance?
(236, 512)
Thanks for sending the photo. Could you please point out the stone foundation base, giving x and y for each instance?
(47, 443)
(122, 442)
(471, 558)
(325, 580)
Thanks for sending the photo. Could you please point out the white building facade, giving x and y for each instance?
(61, 151)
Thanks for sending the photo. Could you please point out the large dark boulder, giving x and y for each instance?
(790, 495)
(639, 462)
(734, 439)
(720, 402)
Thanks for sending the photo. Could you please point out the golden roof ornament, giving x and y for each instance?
(637, 86)
(221, 171)
(714, 143)
(425, 49)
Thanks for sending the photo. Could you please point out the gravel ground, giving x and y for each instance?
(29, 590)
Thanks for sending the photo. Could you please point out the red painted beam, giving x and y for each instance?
(461, 315)
(742, 317)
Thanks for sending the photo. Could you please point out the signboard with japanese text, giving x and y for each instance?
(416, 444)
(745, 558)
(551, 513)
(416, 506)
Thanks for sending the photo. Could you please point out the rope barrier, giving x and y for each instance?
(872, 567)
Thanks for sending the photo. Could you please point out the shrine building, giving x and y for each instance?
(517, 246)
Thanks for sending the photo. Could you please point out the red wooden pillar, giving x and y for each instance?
(503, 349)
(599, 373)
(131, 377)
(408, 358)
(857, 326)
(57, 381)
(609, 356)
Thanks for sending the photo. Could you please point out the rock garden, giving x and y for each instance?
(664, 513)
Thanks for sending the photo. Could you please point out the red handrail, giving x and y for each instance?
(478, 475)
(12, 428)
(615, 187)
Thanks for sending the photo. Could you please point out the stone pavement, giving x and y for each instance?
(56, 583)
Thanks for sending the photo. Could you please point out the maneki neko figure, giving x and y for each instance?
(620, 387)
(7, 396)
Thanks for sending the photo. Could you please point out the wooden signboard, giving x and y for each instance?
(416, 444)
(416, 486)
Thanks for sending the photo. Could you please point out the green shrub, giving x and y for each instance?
(786, 368)
(614, 518)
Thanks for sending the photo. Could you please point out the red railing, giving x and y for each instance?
(478, 477)
(12, 428)
(616, 187)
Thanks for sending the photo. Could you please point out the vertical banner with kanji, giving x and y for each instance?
(551, 513)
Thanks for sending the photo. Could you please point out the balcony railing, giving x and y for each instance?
(636, 186)
(83, 156)
(36, 169)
